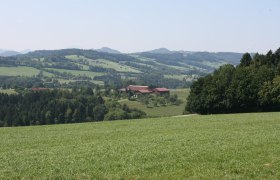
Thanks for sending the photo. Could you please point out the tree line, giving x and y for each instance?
(251, 86)
(59, 107)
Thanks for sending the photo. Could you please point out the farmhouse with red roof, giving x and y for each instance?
(139, 89)
(161, 91)
(145, 90)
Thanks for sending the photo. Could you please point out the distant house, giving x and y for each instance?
(139, 89)
(161, 91)
(144, 90)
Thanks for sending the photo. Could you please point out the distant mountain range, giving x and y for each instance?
(161, 51)
(160, 67)
(7, 53)
(222, 55)
(108, 50)
(202, 59)
(185, 61)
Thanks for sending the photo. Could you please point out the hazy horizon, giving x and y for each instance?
(134, 26)
(30, 50)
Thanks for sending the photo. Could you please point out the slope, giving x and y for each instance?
(172, 70)
(243, 146)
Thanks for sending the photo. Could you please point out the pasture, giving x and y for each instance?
(104, 63)
(19, 71)
(66, 81)
(233, 146)
(113, 65)
(78, 72)
(8, 91)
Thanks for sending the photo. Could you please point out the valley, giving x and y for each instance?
(171, 69)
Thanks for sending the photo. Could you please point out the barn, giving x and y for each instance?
(161, 91)
(139, 89)
(145, 90)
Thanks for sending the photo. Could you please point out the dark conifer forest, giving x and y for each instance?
(59, 107)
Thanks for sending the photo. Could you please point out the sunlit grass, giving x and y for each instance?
(18, 71)
(78, 72)
(236, 146)
(8, 91)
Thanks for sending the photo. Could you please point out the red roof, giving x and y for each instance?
(137, 88)
(145, 91)
(161, 89)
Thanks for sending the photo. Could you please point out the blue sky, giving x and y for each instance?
(139, 25)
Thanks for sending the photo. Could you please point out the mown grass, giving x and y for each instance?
(77, 72)
(174, 76)
(113, 65)
(8, 91)
(66, 81)
(18, 71)
(22, 71)
(84, 67)
(236, 146)
(161, 111)
(47, 74)
(104, 63)
(76, 57)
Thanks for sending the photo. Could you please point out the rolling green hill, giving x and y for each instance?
(233, 146)
(172, 69)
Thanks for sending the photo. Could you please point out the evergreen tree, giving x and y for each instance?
(246, 60)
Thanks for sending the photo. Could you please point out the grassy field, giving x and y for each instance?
(104, 63)
(113, 65)
(47, 74)
(78, 73)
(237, 146)
(18, 71)
(170, 110)
(8, 91)
(84, 67)
(101, 83)
(77, 58)
(22, 71)
(161, 111)
(174, 76)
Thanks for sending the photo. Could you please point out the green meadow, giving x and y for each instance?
(233, 146)
(22, 71)
(103, 63)
(66, 81)
(174, 76)
(78, 72)
(8, 91)
(113, 65)
(18, 71)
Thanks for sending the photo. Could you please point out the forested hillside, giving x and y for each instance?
(59, 107)
(254, 85)
(80, 68)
